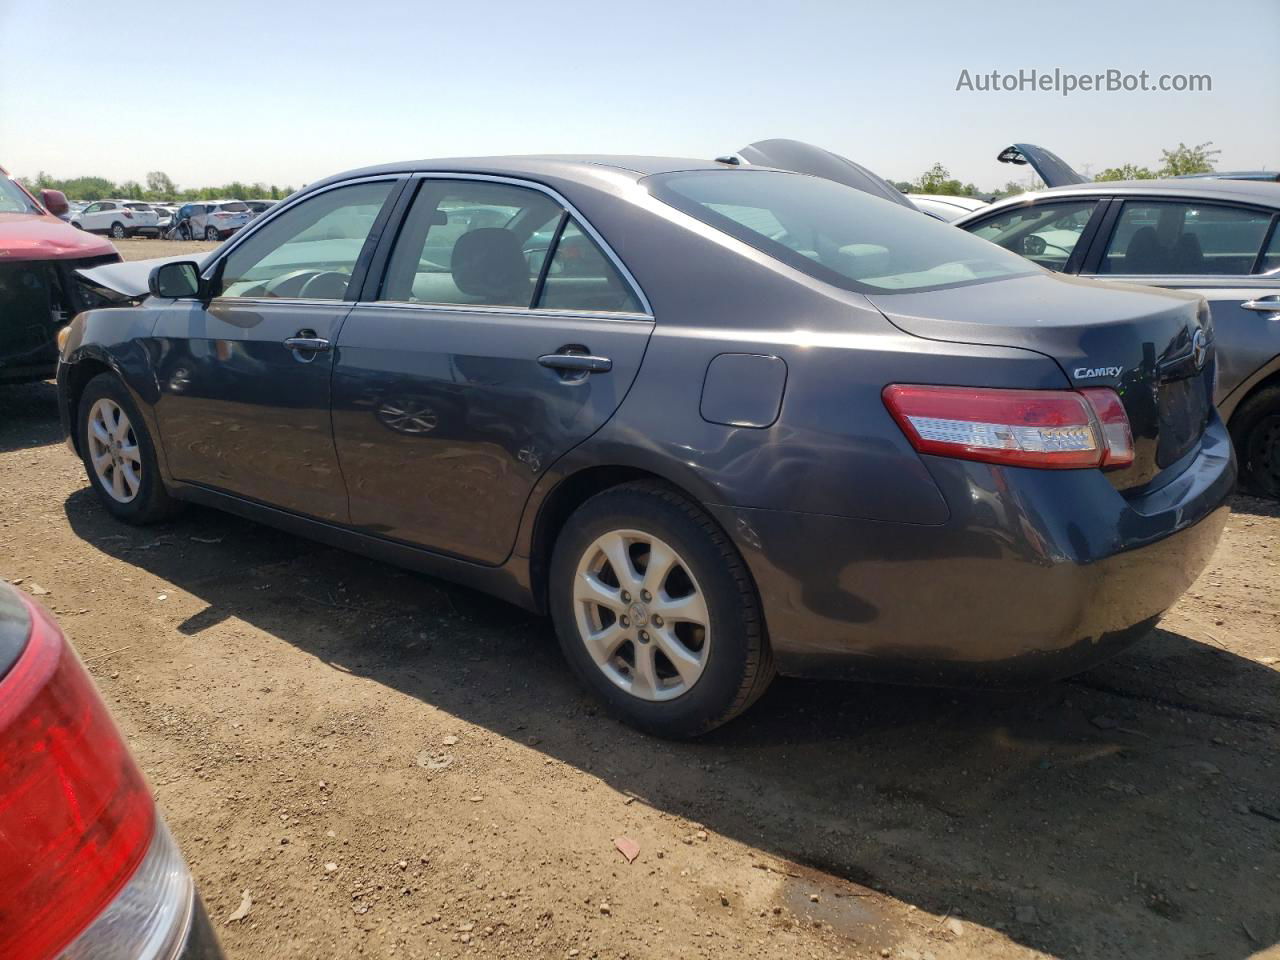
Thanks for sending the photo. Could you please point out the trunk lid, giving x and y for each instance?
(1153, 347)
(799, 157)
(1051, 168)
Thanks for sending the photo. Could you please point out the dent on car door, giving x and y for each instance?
(244, 380)
(501, 335)
(1228, 254)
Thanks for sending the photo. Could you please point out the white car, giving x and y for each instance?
(118, 218)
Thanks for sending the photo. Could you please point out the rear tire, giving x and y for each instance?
(611, 627)
(118, 231)
(1255, 431)
(211, 234)
(119, 455)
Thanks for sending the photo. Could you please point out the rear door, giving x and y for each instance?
(244, 380)
(500, 334)
(1217, 250)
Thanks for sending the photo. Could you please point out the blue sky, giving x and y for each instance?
(286, 92)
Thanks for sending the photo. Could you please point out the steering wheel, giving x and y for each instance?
(325, 285)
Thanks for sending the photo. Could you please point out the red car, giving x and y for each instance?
(87, 867)
(39, 291)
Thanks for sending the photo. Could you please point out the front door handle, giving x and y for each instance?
(576, 362)
(1269, 304)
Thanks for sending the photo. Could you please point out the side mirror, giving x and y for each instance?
(179, 278)
(55, 201)
(1033, 246)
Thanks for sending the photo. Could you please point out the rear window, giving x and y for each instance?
(835, 233)
(138, 206)
(236, 207)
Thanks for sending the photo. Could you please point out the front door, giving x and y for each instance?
(244, 379)
(501, 335)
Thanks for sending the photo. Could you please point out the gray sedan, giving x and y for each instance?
(719, 421)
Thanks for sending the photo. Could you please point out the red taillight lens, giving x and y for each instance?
(1053, 429)
(76, 817)
(127, 214)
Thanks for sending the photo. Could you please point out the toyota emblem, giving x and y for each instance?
(1199, 349)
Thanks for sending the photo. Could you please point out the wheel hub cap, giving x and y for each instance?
(641, 615)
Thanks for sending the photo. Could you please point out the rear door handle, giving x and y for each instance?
(1263, 304)
(311, 344)
(576, 362)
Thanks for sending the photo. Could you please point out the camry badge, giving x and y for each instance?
(1085, 373)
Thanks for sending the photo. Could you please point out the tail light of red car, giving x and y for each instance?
(1049, 429)
(87, 868)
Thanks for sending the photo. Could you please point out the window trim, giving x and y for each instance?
(377, 272)
(359, 270)
(1107, 234)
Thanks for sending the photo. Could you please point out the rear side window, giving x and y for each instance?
(1271, 256)
(1045, 233)
(1184, 239)
(310, 250)
(835, 233)
(581, 277)
(480, 243)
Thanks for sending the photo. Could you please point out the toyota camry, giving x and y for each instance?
(720, 421)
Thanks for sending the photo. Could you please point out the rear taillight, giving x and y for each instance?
(126, 214)
(1052, 429)
(76, 817)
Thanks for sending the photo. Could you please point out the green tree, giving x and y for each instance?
(159, 186)
(1183, 159)
(1128, 171)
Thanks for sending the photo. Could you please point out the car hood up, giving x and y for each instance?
(1049, 167)
(814, 161)
(29, 236)
(1140, 341)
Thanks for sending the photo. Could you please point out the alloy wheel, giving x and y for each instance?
(113, 451)
(117, 231)
(641, 615)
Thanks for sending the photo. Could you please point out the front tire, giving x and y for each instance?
(656, 611)
(119, 455)
(1255, 431)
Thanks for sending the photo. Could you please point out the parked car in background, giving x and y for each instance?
(1215, 237)
(259, 207)
(211, 220)
(117, 218)
(164, 213)
(946, 207)
(88, 868)
(39, 289)
(725, 423)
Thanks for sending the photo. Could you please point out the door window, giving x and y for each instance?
(472, 242)
(1271, 257)
(1171, 239)
(309, 251)
(581, 277)
(1045, 233)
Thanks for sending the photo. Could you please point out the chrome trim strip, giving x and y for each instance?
(525, 312)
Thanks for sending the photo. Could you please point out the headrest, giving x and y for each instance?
(490, 263)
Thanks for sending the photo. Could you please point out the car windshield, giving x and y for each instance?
(835, 233)
(12, 198)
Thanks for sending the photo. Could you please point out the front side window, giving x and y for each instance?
(309, 251)
(835, 233)
(1045, 233)
(12, 197)
(1184, 239)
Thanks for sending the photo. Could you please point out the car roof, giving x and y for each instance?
(1236, 191)
(566, 166)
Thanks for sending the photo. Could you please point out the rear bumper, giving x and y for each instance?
(1036, 575)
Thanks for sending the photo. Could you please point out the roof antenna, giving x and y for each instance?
(731, 159)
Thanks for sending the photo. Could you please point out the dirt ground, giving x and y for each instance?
(392, 766)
